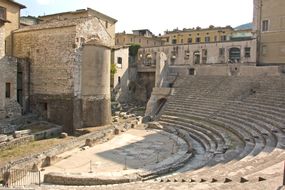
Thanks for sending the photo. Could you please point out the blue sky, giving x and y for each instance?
(156, 15)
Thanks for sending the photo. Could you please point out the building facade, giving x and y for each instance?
(197, 35)
(144, 39)
(68, 64)
(106, 21)
(242, 52)
(9, 21)
(269, 27)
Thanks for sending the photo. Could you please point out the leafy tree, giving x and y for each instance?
(133, 49)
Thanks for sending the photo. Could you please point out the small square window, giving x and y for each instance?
(222, 52)
(119, 62)
(207, 39)
(247, 52)
(198, 40)
(265, 25)
(3, 13)
(264, 50)
(189, 40)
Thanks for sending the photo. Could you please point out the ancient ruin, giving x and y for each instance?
(84, 108)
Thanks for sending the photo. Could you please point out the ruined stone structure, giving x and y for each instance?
(269, 27)
(58, 53)
(120, 57)
(9, 21)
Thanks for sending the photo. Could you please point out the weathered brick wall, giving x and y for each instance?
(51, 53)
(54, 51)
(8, 74)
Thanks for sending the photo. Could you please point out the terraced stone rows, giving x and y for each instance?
(260, 123)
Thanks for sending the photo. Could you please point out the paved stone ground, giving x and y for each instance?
(137, 148)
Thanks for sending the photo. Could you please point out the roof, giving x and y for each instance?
(94, 12)
(16, 3)
(138, 36)
(185, 30)
(58, 24)
(103, 16)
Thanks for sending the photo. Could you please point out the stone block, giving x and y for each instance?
(117, 131)
(139, 119)
(122, 114)
(63, 135)
(3, 138)
(18, 134)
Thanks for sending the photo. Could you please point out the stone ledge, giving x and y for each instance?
(86, 179)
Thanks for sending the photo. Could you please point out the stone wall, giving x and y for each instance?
(121, 77)
(39, 158)
(51, 53)
(8, 74)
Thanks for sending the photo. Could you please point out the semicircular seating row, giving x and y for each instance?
(236, 124)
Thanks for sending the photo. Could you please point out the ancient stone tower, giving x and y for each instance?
(95, 85)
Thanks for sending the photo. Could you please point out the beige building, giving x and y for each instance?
(269, 27)
(67, 58)
(197, 35)
(9, 21)
(142, 37)
(242, 52)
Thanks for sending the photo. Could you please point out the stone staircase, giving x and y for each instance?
(237, 125)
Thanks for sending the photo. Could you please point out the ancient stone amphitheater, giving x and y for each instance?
(235, 127)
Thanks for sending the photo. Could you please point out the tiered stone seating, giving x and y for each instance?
(239, 122)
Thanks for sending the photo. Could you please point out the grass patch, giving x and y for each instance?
(28, 149)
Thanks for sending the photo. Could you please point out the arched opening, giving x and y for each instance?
(148, 58)
(234, 55)
(196, 56)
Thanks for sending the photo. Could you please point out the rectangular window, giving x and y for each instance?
(265, 25)
(247, 52)
(3, 13)
(106, 24)
(216, 38)
(222, 52)
(264, 50)
(223, 38)
(207, 39)
(189, 40)
(119, 62)
(187, 54)
(181, 41)
(198, 40)
(8, 90)
(174, 41)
